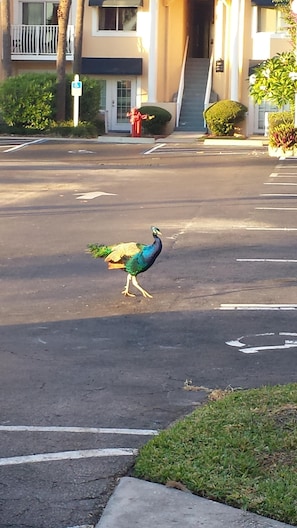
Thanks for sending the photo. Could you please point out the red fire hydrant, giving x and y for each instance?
(136, 118)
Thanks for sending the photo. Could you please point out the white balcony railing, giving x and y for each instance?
(32, 42)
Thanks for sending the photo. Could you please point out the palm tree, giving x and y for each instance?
(78, 34)
(5, 23)
(63, 16)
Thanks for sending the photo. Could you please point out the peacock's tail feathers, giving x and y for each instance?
(99, 250)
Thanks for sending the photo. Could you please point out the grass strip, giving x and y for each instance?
(240, 450)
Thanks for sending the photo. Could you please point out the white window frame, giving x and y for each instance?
(111, 33)
(280, 30)
(18, 9)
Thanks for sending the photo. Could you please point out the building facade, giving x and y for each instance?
(140, 50)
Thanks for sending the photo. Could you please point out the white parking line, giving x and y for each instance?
(277, 208)
(285, 195)
(68, 455)
(271, 228)
(92, 430)
(27, 144)
(83, 526)
(279, 183)
(258, 307)
(265, 260)
(150, 151)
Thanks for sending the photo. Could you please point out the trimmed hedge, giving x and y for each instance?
(222, 117)
(155, 126)
(28, 100)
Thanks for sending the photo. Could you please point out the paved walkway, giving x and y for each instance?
(139, 504)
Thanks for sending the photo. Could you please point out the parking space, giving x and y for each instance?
(13, 144)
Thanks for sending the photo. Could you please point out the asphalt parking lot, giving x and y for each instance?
(88, 375)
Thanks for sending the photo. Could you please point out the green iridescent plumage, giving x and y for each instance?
(132, 257)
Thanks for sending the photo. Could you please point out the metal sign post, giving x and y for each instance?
(76, 91)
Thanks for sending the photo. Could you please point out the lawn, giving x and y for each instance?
(240, 450)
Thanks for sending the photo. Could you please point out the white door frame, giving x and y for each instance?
(113, 104)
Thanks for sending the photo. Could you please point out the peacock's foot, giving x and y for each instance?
(127, 293)
(146, 294)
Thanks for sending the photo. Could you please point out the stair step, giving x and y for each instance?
(191, 116)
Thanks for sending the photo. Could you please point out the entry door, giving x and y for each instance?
(260, 117)
(123, 98)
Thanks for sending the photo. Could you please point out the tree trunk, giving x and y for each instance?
(63, 15)
(5, 22)
(78, 34)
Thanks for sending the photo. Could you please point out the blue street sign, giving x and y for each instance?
(76, 84)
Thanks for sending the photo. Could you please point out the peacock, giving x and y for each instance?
(132, 257)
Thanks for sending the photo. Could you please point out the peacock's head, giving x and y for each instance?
(156, 231)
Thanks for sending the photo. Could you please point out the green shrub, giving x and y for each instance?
(156, 124)
(67, 129)
(222, 117)
(28, 100)
(277, 118)
(283, 136)
(89, 102)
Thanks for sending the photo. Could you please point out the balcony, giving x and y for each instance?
(38, 42)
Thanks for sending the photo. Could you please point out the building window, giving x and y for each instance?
(270, 20)
(39, 13)
(117, 18)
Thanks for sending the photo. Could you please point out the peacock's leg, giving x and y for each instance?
(126, 290)
(144, 292)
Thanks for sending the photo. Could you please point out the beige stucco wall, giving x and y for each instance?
(171, 43)
(252, 47)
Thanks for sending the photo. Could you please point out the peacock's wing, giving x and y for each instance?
(123, 252)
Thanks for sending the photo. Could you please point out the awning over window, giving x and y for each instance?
(111, 66)
(116, 3)
(263, 3)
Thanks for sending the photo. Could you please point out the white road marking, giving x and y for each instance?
(264, 260)
(246, 349)
(258, 307)
(287, 195)
(68, 455)
(83, 526)
(271, 228)
(150, 151)
(277, 208)
(92, 430)
(23, 145)
(279, 183)
(80, 151)
(92, 195)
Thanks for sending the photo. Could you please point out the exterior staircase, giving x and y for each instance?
(191, 116)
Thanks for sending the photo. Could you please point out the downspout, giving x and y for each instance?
(234, 50)
(152, 59)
